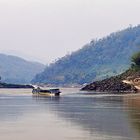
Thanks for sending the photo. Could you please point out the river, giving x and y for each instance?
(74, 115)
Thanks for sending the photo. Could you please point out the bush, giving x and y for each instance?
(136, 61)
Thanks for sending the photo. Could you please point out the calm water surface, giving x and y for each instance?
(73, 116)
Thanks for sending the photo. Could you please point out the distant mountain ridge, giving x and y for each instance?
(14, 69)
(97, 60)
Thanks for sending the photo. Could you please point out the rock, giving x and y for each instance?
(113, 84)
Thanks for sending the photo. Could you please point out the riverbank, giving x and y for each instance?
(115, 83)
(6, 85)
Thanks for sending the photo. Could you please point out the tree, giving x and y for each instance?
(135, 59)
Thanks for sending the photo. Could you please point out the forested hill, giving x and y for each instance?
(17, 70)
(95, 61)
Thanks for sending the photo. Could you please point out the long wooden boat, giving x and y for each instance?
(46, 92)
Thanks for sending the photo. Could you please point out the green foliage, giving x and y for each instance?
(95, 61)
(136, 59)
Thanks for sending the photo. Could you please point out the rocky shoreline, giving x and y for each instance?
(114, 84)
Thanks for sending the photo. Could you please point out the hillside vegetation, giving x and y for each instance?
(16, 70)
(116, 83)
(97, 60)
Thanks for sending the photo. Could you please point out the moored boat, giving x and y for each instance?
(46, 92)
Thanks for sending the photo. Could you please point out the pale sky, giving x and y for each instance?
(44, 30)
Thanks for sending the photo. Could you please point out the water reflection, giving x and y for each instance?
(105, 116)
(133, 105)
(69, 117)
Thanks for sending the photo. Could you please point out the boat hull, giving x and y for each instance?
(51, 92)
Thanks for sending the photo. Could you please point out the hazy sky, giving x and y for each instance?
(43, 30)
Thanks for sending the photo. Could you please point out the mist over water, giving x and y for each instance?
(72, 116)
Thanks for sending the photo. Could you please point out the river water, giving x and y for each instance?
(72, 116)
